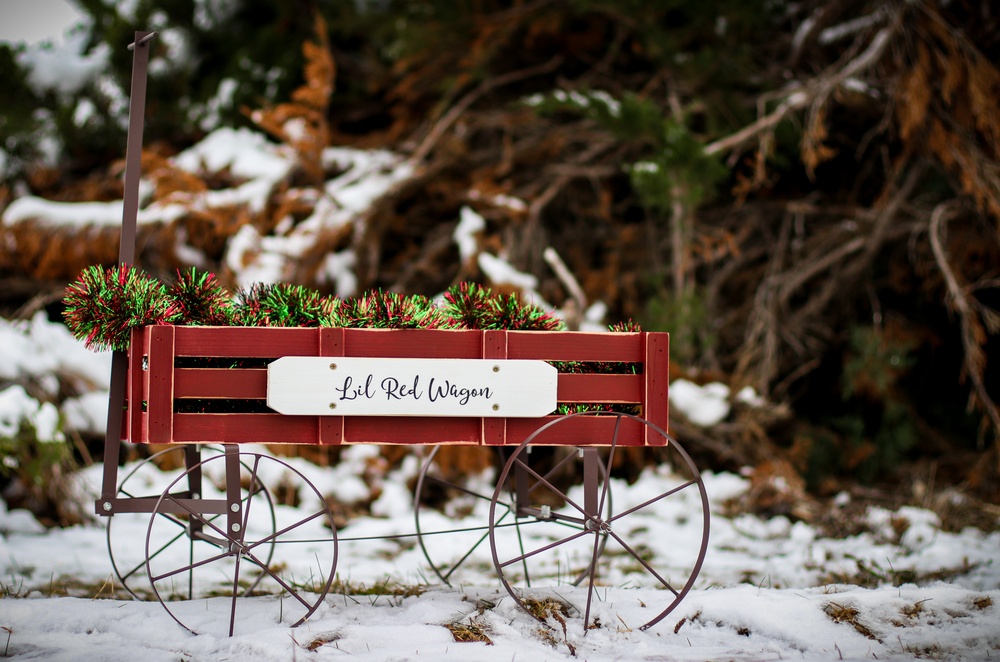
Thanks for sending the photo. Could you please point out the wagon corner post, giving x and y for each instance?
(656, 407)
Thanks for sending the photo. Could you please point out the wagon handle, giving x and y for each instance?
(126, 255)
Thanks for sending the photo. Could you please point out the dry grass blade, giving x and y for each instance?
(839, 613)
(472, 631)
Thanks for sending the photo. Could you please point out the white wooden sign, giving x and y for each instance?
(351, 386)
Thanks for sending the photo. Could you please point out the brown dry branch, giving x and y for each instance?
(829, 263)
(43, 251)
(170, 183)
(974, 331)
(529, 236)
(813, 94)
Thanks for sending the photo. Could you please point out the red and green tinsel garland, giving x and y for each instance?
(104, 305)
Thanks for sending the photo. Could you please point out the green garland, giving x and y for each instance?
(473, 306)
(281, 304)
(104, 305)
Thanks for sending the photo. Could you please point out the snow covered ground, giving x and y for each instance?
(766, 592)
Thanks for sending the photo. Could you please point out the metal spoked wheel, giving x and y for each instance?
(145, 482)
(564, 531)
(231, 553)
(453, 509)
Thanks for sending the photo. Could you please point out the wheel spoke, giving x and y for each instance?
(190, 566)
(249, 497)
(556, 491)
(474, 547)
(611, 463)
(551, 472)
(459, 562)
(236, 593)
(643, 562)
(460, 488)
(524, 558)
(193, 514)
(652, 501)
(281, 582)
(545, 548)
(274, 536)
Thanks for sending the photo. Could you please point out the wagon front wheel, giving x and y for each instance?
(142, 485)
(237, 560)
(656, 539)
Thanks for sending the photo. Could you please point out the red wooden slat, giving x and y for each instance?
(239, 383)
(160, 380)
(575, 346)
(244, 429)
(240, 341)
(279, 429)
(577, 431)
(600, 388)
(406, 430)
(134, 398)
(413, 343)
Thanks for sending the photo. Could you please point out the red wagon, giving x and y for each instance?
(196, 388)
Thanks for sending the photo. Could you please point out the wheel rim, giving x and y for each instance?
(127, 551)
(224, 565)
(570, 531)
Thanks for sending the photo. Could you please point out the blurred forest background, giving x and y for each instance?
(806, 195)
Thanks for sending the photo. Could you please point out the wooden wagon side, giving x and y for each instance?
(175, 369)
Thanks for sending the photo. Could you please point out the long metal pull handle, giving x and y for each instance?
(126, 255)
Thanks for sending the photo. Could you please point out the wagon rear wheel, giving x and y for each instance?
(144, 482)
(231, 539)
(451, 510)
(444, 502)
(564, 529)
